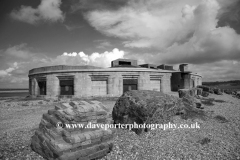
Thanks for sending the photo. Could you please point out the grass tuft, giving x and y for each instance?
(208, 102)
(219, 101)
(204, 141)
(221, 119)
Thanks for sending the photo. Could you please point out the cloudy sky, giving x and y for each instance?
(35, 33)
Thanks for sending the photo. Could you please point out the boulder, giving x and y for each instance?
(57, 138)
(184, 92)
(234, 93)
(145, 107)
(151, 107)
(205, 94)
(191, 92)
(217, 91)
(238, 94)
(227, 91)
(205, 88)
(211, 91)
(199, 91)
(199, 96)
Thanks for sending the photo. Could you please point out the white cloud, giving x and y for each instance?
(181, 31)
(95, 59)
(19, 51)
(7, 72)
(19, 60)
(48, 10)
(144, 23)
(28, 60)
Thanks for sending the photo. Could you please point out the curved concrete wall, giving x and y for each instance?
(181, 80)
(90, 80)
(197, 79)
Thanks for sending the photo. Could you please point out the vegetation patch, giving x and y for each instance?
(8, 100)
(192, 113)
(40, 102)
(208, 102)
(30, 99)
(221, 119)
(96, 99)
(219, 101)
(204, 141)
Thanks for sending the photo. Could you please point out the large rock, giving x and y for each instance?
(145, 107)
(238, 94)
(234, 93)
(211, 91)
(227, 91)
(217, 91)
(205, 88)
(199, 91)
(55, 139)
(184, 92)
(191, 92)
(150, 107)
(205, 94)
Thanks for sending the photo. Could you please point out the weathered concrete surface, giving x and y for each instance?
(53, 88)
(148, 79)
(187, 81)
(182, 80)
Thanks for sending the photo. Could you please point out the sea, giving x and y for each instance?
(14, 92)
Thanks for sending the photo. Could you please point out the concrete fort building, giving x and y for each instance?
(85, 81)
(185, 79)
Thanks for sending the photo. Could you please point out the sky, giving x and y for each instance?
(203, 33)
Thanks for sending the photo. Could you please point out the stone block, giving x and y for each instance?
(60, 142)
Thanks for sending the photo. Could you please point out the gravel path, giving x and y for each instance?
(214, 140)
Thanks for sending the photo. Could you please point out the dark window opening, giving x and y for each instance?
(124, 63)
(66, 87)
(42, 87)
(129, 87)
(181, 76)
(129, 84)
(192, 83)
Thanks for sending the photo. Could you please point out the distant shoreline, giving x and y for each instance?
(11, 91)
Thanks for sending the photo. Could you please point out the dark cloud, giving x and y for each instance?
(230, 16)
(86, 5)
